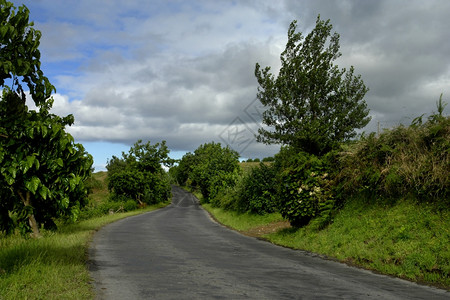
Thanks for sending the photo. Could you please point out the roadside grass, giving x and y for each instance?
(54, 266)
(242, 222)
(407, 240)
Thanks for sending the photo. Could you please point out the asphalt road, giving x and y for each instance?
(179, 252)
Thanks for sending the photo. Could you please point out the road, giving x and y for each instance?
(179, 252)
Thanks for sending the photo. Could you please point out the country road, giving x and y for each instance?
(178, 252)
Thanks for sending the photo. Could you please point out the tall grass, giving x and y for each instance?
(413, 160)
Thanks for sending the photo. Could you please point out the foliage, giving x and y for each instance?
(412, 160)
(258, 190)
(306, 188)
(42, 170)
(53, 267)
(216, 168)
(268, 159)
(311, 104)
(139, 174)
(19, 53)
(212, 168)
(184, 168)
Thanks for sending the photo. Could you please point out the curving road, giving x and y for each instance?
(179, 253)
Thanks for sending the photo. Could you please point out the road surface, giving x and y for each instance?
(179, 252)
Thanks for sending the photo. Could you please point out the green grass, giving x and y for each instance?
(405, 240)
(54, 266)
(242, 221)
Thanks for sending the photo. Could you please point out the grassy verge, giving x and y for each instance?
(405, 240)
(54, 266)
(246, 223)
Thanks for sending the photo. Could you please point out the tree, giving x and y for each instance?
(311, 105)
(42, 170)
(139, 174)
(19, 53)
(215, 168)
(184, 168)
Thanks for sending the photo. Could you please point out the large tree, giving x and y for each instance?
(312, 104)
(215, 168)
(139, 174)
(42, 169)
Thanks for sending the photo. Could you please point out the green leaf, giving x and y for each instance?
(9, 180)
(43, 191)
(60, 162)
(44, 130)
(33, 184)
(28, 163)
(64, 202)
(12, 171)
(37, 164)
(3, 31)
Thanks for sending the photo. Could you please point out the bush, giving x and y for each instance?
(306, 188)
(258, 190)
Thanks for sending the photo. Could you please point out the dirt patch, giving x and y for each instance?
(266, 229)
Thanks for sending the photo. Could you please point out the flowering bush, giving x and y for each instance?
(305, 189)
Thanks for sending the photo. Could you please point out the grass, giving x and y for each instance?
(406, 240)
(54, 266)
(243, 222)
(247, 166)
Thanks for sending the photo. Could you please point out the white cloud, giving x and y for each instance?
(184, 71)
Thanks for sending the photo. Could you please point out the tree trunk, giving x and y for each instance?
(31, 219)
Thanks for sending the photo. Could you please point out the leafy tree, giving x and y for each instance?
(42, 170)
(184, 168)
(258, 191)
(268, 159)
(215, 168)
(19, 53)
(139, 174)
(312, 104)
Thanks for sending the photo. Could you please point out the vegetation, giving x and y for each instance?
(411, 161)
(42, 170)
(380, 201)
(406, 239)
(211, 168)
(311, 104)
(139, 176)
(61, 255)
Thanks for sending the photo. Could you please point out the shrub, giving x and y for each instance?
(258, 190)
(306, 189)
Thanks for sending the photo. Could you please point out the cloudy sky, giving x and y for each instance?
(183, 71)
